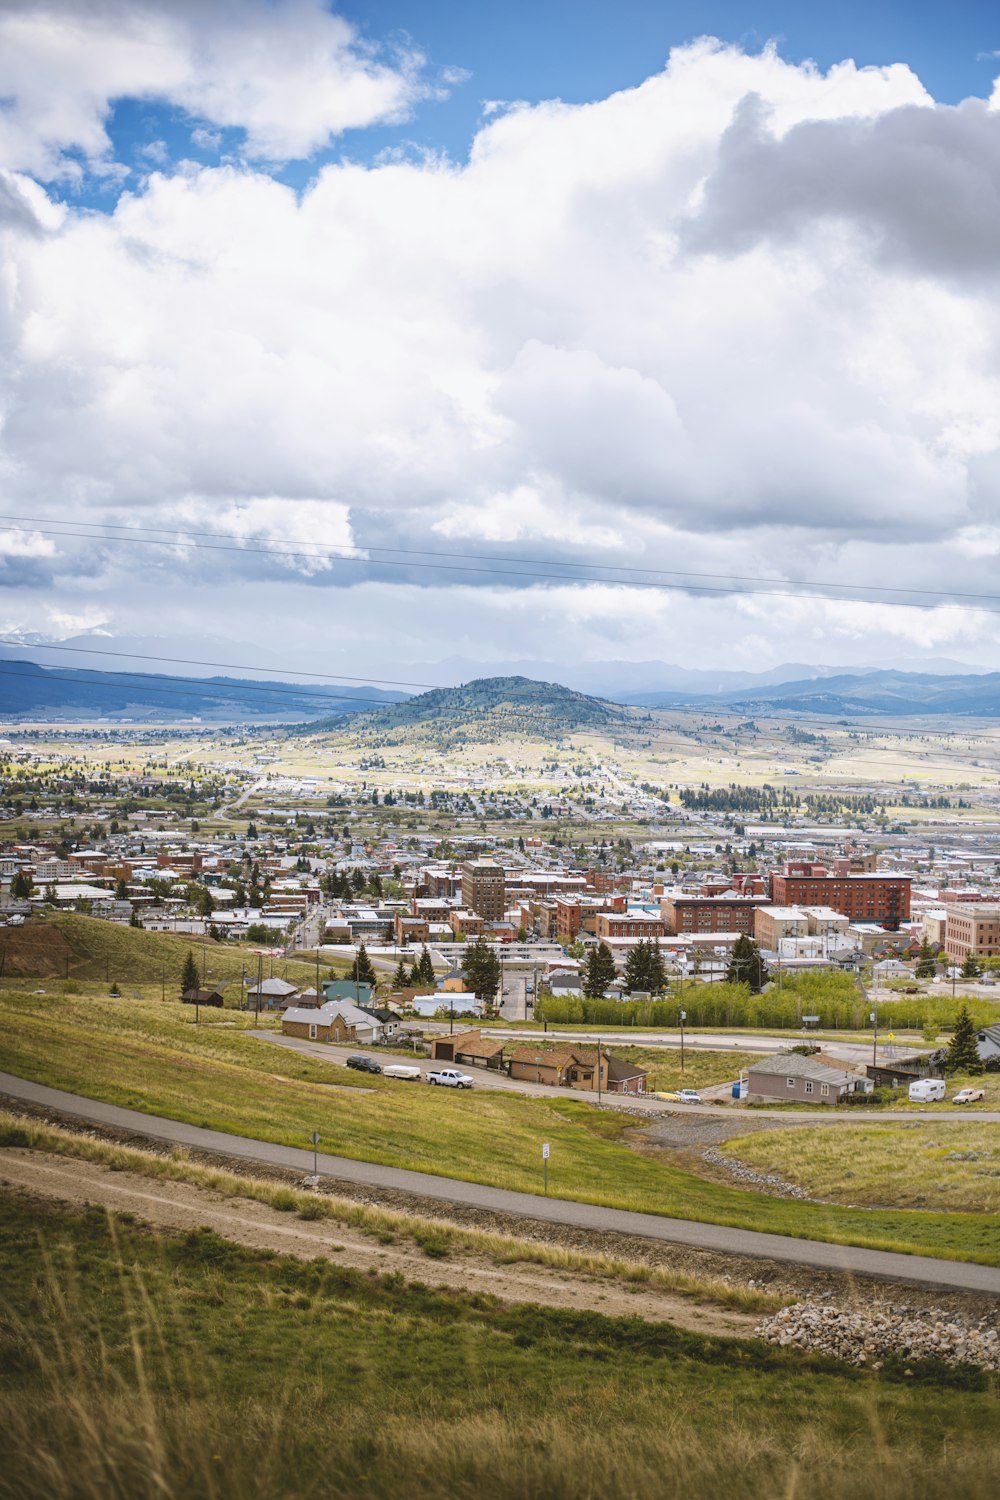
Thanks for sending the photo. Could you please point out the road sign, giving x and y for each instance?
(545, 1151)
(315, 1137)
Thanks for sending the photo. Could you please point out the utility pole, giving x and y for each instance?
(874, 1020)
(260, 980)
(598, 1067)
(683, 1015)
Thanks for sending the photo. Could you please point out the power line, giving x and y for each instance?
(208, 690)
(229, 666)
(183, 539)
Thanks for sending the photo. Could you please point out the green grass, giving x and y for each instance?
(67, 945)
(135, 1364)
(901, 1165)
(152, 1057)
(382, 1224)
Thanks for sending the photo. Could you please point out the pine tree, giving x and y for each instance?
(362, 970)
(425, 967)
(963, 1055)
(416, 982)
(482, 970)
(637, 967)
(746, 966)
(969, 966)
(599, 973)
(925, 961)
(401, 978)
(189, 978)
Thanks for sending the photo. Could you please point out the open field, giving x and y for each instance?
(153, 1058)
(138, 1363)
(935, 1166)
(68, 945)
(516, 1269)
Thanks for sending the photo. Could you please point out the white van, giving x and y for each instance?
(926, 1090)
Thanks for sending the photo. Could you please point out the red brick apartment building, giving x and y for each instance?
(683, 914)
(864, 898)
(610, 925)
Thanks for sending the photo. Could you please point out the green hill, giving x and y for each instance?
(68, 946)
(488, 710)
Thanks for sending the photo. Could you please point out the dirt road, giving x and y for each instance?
(181, 1206)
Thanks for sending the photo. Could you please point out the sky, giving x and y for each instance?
(415, 340)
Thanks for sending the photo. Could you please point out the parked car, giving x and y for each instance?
(364, 1064)
(408, 1071)
(968, 1096)
(450, 1078)
(689, 1096)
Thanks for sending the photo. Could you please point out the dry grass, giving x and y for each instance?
(378, 1223)
(936, 1166)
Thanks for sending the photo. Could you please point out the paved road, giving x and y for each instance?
(958, 1275)
(485, 1078)
(848, 1051)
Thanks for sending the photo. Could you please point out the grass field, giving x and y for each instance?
(137, 1365)
(941, 1166)
(153, 1057)
(70, 946)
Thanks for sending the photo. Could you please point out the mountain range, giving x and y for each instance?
(29, 689)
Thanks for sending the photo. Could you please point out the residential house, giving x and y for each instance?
(468, 1049)
(338, 1021)
(791, 1079)
(272, 994)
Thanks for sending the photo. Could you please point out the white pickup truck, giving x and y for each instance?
(450, 1078)
(401, 1070)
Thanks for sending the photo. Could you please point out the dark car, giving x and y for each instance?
(364, 1064)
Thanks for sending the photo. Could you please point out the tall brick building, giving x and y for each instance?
(862, 898)
(483, 889)
(710, 913)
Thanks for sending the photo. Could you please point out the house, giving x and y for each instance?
(388, 1019)
(272, 994)
(202, 997)
(338, 1021)
(791, 1079)
(347, 989)
(988, 1043)
(576, 1068)
(469, 1049)
(900, 1073)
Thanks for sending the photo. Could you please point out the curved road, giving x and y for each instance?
(956, 1275)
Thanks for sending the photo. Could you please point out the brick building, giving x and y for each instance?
(628, 924)
(972, 928)
(864, 898)
(683, 914)
(483, 889)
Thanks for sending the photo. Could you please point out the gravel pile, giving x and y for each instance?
(869, 1337)
(769, 1181)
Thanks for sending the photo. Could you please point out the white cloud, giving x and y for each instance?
(287, 72)
(592, 337)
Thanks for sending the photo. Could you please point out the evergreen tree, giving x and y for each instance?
(20, 886)
(121, 890)
(482, 970)
(134, 919)
(969, 966)
(425, 967)
(401, 978)
(746, 966)
(362, 969)
(599, 973)
(636, 967)
(963, 1056)
(926, 966)
(189, 978)
(416, 982)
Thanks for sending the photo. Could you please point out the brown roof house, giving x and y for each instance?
(790, 1079)
(576, 1068)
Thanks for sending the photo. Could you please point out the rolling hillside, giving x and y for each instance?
(69, 946)
(490, 709)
